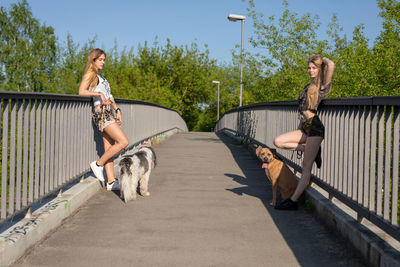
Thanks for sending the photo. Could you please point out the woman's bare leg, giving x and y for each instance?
(311, 150)
(115, 133)
(109, 165)
(294, 140)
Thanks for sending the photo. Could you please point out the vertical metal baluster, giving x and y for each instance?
(367, 153)
(356, 154)
(87, 140)
(26, 153)
(379, 189)
(338, 152)
(352, 161)
(361, 155)
(42, 186)
(133, 121)
(388, 143)
(346, 152)
(85, 132)
(325, 145)
(51, 156)
(11, 199)
(342, 148)
(61, 160)
(89, 136)
(18, 173)
(329, 178)
(395, 175)
(31, 149)
(4, 159)
(80, 139)
(74, 143)
(57, 144)
(372, 178)
(37, 147)
(264, 126)
(68, 148)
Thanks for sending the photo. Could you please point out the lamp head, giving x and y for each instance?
(234, 17)
(215, 81)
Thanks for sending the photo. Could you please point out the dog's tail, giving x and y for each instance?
(124, 179)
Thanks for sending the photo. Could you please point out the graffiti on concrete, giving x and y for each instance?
(21, 230)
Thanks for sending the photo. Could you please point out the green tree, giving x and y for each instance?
(289, 41)
(28, 57)
(71, 63)
(175, 76)
(387, 49)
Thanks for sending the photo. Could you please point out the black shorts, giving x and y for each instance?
(313, 127)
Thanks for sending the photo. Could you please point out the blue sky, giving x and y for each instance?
(130, 22)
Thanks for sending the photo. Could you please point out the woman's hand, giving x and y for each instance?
(103, 99)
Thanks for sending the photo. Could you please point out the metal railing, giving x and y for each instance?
(48, 141)
(360, 152)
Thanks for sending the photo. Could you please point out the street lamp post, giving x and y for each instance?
(217, 82)
(233, 17)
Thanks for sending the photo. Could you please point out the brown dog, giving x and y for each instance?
(278, 173)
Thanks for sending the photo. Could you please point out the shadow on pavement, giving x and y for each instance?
(309, 240)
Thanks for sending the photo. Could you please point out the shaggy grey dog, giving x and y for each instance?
(134, 169)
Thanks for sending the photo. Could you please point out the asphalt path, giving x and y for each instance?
(208, 207)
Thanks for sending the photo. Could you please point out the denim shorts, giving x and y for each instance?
(313, 127)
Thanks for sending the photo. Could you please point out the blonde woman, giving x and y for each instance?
(310, 133)
(106, 116)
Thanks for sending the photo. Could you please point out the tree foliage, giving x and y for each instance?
(28, 51)
(360, 70)
(180, 77)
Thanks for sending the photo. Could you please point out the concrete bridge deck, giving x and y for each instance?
(208, 207)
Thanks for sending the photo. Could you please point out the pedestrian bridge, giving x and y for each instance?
(208, 207)
(209, 196)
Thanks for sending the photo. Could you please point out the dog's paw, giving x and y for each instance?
(145, 194)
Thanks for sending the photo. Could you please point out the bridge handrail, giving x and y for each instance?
(64, 97)
(348, 101)
(360, 152)
(48, 140)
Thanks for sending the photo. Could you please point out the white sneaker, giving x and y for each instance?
(97, 170)
(114, 186)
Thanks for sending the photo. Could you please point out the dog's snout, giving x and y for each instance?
(265, 158)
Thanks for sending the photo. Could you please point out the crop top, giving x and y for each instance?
(102, 87)
(303, 99)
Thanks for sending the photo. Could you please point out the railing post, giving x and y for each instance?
(359, 217)
(28, 214)
(59, 193)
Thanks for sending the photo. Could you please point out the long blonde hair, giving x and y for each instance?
(91, 68)
(315, 85)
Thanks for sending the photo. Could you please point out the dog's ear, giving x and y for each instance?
(258, 150)
(273, 150)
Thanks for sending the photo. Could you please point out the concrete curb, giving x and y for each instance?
(16, 240)
(375, 250)
(24, 234)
